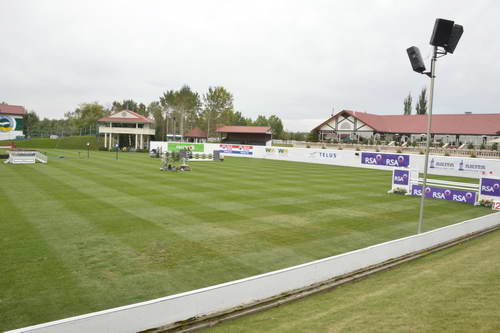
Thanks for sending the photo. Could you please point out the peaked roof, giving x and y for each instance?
(16, 110)
(136, 118)
(245, 129)
(196, 133)
(478, 124)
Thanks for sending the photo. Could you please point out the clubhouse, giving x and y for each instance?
(455, 129)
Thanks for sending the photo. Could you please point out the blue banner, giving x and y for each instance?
(396, 160)
(445, 194)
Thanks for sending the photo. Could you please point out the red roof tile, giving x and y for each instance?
(245, 129)
(478, 124)
(139, 118)
(12, 109)
(195, 133)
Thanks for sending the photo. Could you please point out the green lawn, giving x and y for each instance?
(80, 235)
(454, 290)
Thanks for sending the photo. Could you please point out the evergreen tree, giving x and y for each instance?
(421, 106)
(407, 104)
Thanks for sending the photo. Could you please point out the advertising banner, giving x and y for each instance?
(395, 160)
(194, 147)
(445, 194)
(460, 165)
(237, 149)
(401, 177)
(490, 187)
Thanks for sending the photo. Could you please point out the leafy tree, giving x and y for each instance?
(155, 110)
(313, 136)
(277, 126)
(261, 121)
(407, 104)
(421, 106)
(86, 115)
(188, 105)
(218, 108)
(181, 108)
(31, 121)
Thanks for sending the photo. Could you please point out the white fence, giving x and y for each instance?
(438, 165)
(170, 309)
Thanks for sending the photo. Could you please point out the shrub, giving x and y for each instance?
(482, 146)
(470, 146)
(486, 203)
(472, 154)
(399, 190)
(323, 147)
(357, 149)
(446, 153)
(421, 152)
(398, 151)
(494, 146)
(308, 146)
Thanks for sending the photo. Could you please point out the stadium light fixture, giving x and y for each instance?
(88, 150)
(444, 40)
(117, 146)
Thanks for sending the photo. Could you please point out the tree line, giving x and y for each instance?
(175, 112)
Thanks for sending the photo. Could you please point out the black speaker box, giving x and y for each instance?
(442, 32)
(417, 63)
(456, 33)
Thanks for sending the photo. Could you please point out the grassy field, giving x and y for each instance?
(455, 290)
(81, 235)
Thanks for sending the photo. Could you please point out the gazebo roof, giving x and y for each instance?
(126, 116)
(195, 133)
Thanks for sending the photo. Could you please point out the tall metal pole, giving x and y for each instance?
(427, 145)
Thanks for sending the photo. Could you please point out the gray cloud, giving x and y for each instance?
(295, 59)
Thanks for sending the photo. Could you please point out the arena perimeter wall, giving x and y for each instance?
(438, 165)
(168, 310)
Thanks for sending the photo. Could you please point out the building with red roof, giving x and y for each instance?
(11, 121)
(126, 129)
(247, 135)
(196, 135)
(447, 128)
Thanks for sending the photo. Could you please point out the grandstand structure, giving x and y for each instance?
(126, 129)
(454, 129)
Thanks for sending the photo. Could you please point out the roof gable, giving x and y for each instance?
(126, 116)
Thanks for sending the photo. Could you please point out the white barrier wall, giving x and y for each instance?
(438, 165)
(170, 309)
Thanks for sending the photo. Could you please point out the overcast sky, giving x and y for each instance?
(295, 59)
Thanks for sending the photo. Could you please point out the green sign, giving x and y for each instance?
(194, 147)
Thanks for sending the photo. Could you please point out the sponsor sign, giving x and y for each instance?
(460, 165)
(279, 151)
(496, 205)
(401, 177)
(445, 194)
(194, 147)
(395, 160)
(237, 149)
(323, 154)
(7, 123)
(490, 187)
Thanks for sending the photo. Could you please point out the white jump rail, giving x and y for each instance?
(171, 309)
(450, 184)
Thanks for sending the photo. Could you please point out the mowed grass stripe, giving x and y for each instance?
(454, 290)
(134, 233)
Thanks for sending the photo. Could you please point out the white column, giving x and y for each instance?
(136, 139)
(142, 141)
